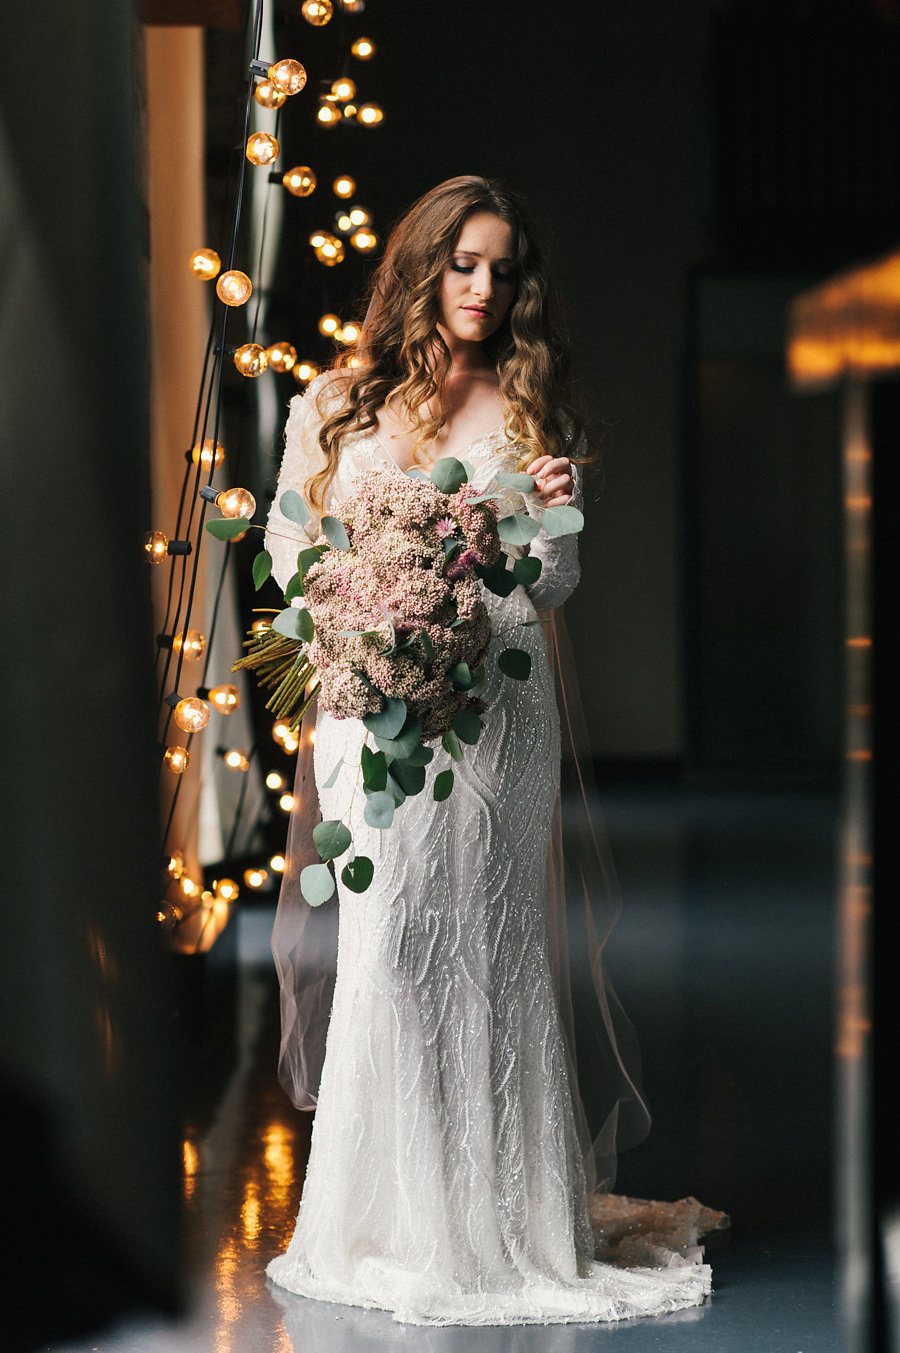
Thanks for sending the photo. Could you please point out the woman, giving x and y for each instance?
(446, 1179)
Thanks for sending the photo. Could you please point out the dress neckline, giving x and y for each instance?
(482, 437)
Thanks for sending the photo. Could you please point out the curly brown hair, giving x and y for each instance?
(402, 355)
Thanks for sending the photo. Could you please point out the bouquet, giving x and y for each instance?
(393, 630)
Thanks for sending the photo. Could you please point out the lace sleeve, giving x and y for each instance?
(560, 568)
(303, 457)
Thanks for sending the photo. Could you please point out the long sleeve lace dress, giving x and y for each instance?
(445, 1180)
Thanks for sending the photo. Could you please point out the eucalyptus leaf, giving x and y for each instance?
(443, 785)
(487, 498)
(395, 790)
(420, 756)
(427, 645)
(461, 676)
(287, 622)
(516, 663)
(410, 778)
(374, 769)
(450, 545)
(332, 779)
(562, 521)
(447, 474)
(305, 627)
(388, 721)
(331, 839)
(262, 568)
(450, 743)
(467, 726)
(316, 884)
(293, 507)
(498, 579)
(357, 874)
(527, 570)
(294, 588)
(416, 473)
(469, 469)
(518, 528)
(379, 810)
(306, 558)
(336, 533)
(524, 483)
(226, 528)
(405, 742)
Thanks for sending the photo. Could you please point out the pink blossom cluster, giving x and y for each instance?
(394, 583)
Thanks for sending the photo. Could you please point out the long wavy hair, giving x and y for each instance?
(401, 358)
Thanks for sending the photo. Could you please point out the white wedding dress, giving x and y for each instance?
(445, 1181)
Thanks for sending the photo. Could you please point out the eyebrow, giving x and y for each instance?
(472, 253)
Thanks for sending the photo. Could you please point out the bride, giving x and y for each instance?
(451, 1176)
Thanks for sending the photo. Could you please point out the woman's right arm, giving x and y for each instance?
(303, 457)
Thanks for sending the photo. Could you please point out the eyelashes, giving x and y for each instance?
(470, 268)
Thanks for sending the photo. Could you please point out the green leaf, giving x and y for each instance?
(331, 839)
(416, 473)
(450, 743)
(388, 721)
(487, 498)
(467, 726)
(469, 469)
(316, 884)
(404, 744)
(379, 811)
(450, 546)
(524, 483)
(294, 588)
(516, 663)
(305, 627)
(447, 474)
(336, 532)
(517, 529)
(226, 528)
(427, 645)
(290, 621)
(357, 874)
(293, 507)
(332, 779)
(461, 676)
(395, 791)
(527, 570)
(497, 578)
(262, 568)
(374, 769)
(420, 756)
(562, 521)
(306, 558)
(443, 785)
(410, 778)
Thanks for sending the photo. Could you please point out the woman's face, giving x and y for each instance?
(479, 282)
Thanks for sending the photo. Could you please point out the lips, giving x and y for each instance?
(477, 310)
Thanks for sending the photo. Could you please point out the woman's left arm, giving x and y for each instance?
(560, 483)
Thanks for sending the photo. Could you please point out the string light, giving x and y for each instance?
(168, 915)
(329, 324)
(304, 372)
(205, 264)
(349, 111)
(348, 333)
(177, 759)
(282, 356)
(370, 114)
(191, 642)
(267, 95)
(330, 251)
(191, 714)
(255, 878)
(234, 288)
(288, 76)
(207, 453)
(328, 113)
(344, 186)
(359, 216)
(275, 780)
(175, 865)
(236, 502)
(344, 89)
(226, 889)
(225, 698)
(262, 622)
(317, 12)
(364, 241)
(353, 6)
(189, 887)
(363, 49)
(300, 181)
(277, 863)
(286, 803)
(156, 546)
(251, 359)
(343, 222)
(262, 148)
(235, 760)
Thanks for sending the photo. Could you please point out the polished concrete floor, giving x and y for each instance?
(724, 959)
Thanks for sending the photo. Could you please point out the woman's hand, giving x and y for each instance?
(554, 483)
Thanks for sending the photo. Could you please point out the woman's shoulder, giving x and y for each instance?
(325, 393)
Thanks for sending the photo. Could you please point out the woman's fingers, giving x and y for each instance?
(553, 480)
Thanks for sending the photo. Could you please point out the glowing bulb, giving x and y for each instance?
(349, 110)
(168, 915)
(290, 744)
(275, 780)
(250, 359)
(192, 642)
(286, 803)
(205, 264)
(236, 760)
(277, 863)
(264, 623)
(329, 324)
(330, 251)
(176, 864)
(370, 114)
(191, 714)
(364, 241)
(363, 48)
(359, 216)
(353, 6)
(236, 503)
(208, 453)
(234, 288)
(304, 372)
(262, 148)
(282, 356)
(344, 186)
(343, 222)
(349, 333)
(317, 12)
(280, 731)
(300, 181)
(225, 698)
(343, 89)
(189, 887)
(156, 545)
(226, 889)
(288, 76)
(328, 114)
(354, 361)
(255, 878)
(267, 95)
(318, 238)
(177, 759)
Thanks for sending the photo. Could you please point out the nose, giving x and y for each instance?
(483, 282)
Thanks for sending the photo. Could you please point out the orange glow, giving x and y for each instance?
(859, 754)
(850, 324)
(860, 641)
(278, 1145)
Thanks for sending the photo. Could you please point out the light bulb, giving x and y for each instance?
(168, 915)
(300, 181)
(250, 359)
(288, 76)
(317, 12)
(275, 780)
(234, 288)
(224, 698)
(255, 878)
(304, 372)
(349, 333)
(370, 114)
(353, 6)
(205, 264)
(156, 545)
(264, 622)
(359, 216)
(277, 863)
(344, 186)
(192, 714)
(280, 731)
(226, 889)
(343, 222)
(235, 760)
(286, 803)
(344, 89)
(208, 453)
(176, 864)
(262, 148)
(236, 502)
(290, 744)
(363, 48)
(329, 324)
(177, 759)
(330, 251)
(349, 110)
(364, 241)
(318, 238)
(267, 95)
(282, 356)
(189, 887)
(328, 114)
(192, 642)
(354, 361)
